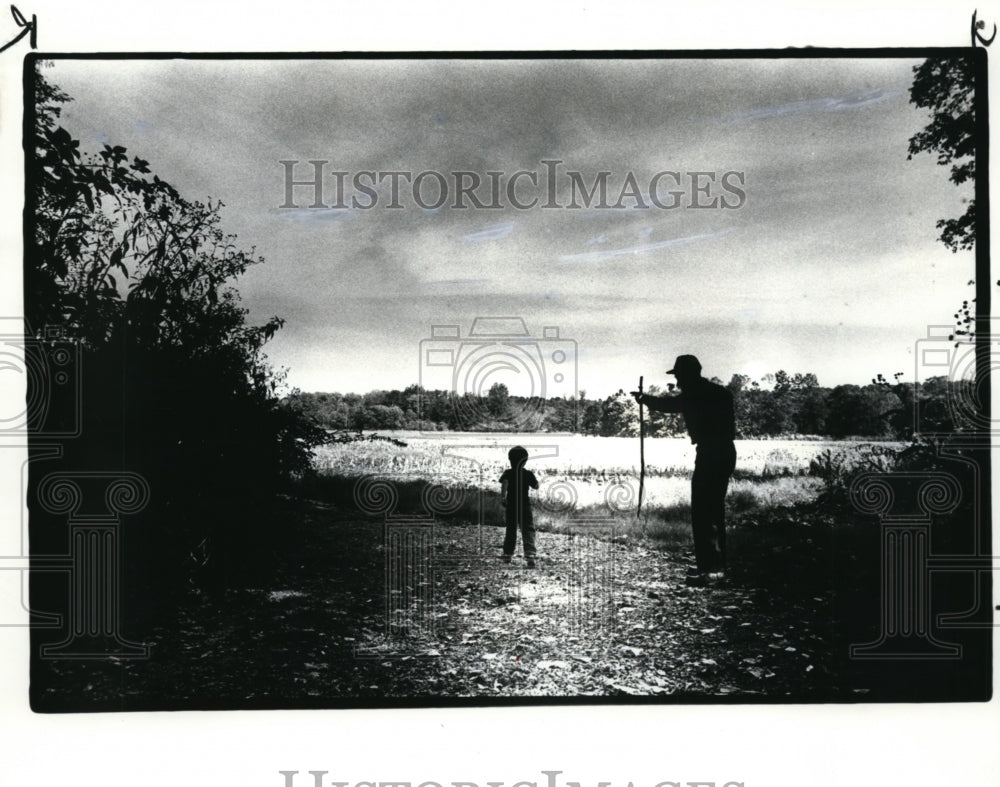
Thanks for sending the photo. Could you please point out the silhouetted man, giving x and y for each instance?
(708, 414)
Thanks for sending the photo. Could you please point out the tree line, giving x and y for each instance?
(777, 405)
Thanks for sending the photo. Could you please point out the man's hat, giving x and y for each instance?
(685, 363)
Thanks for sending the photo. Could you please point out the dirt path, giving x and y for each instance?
(598, 618)
(595, 619)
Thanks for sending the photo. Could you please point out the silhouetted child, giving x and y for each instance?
(514, 485)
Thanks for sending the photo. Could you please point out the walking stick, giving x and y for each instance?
(642, 450)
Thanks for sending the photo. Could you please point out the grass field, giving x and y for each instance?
(591, 474)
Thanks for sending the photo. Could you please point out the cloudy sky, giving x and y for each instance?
(828, 264)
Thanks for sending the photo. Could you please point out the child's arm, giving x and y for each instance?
(503, 491)
(532, 481)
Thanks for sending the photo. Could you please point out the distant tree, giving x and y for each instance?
(804, 381)
(774, 413)
(560, 414)
(590, 420)
(811, 417)
(579, 407)
(737, 383)
(863, 412)
(438, 407)
(380, 416)
(660, 424)
(934, 397)
(498, 400)
(619, 416)
(796, 405)
(740, 387)
(376, 397)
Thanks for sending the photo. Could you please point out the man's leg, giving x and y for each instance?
(720, 487)
(726, 467)
(703, 527)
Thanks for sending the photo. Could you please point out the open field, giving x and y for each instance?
(580, 472)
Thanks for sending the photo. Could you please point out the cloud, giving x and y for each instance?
(851, 101)
(445, 282)
(823, 144)
(496, 232)
(632, 251)
(318, 216)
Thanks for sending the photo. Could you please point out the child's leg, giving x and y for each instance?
(528, 534)
(510, 539)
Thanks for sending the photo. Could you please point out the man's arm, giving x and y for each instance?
(662, 404)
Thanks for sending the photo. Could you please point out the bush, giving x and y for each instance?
(175, 385)
(838, 469)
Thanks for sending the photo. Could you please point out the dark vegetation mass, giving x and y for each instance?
(135, 283)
